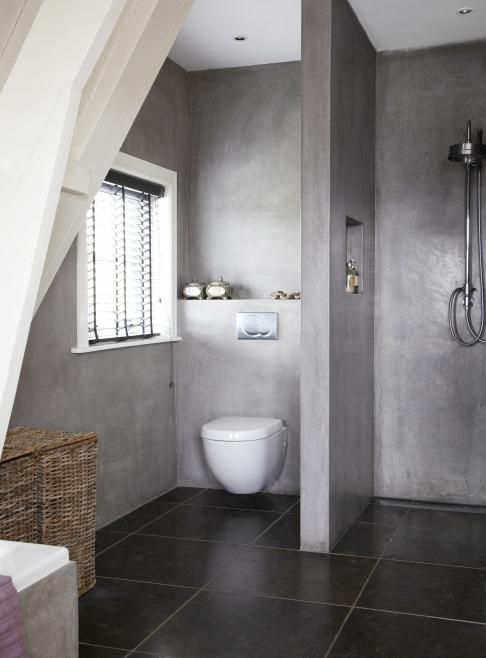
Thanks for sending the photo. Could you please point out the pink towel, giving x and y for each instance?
(12, 644)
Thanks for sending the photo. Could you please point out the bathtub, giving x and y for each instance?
(28, 563)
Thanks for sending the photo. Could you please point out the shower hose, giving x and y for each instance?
(475, 335)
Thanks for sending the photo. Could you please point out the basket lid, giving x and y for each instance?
(23, 441)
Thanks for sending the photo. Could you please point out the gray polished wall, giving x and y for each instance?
(122, 394)
(337, 329)
(217, 375)
(351, 392)
(430, 411)
(244, 196)
(244, 224)
(160, 135)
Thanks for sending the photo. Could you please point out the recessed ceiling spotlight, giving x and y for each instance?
(240, 38)
(464, 11)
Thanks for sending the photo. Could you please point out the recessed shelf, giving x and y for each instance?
(241, 299)
(354, 249)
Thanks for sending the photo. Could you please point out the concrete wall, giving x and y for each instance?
(244, 204)
(244, 224)
(337, 329)
(430, 411)
(218, 375)
(160, 135)
(122, 394)
(316, 198)
(351, 317)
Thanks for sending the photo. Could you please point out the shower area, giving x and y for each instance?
(430, 413)
(403, 157)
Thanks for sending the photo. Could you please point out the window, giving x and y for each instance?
(126, 259)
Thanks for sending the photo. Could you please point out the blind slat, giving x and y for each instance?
(121, 260)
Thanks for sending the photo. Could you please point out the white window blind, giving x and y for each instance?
(123, 255)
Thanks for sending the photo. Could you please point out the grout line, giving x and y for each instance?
(395, 559)
(199, 493)
(340, 629)
(365, 584)
(130, 534)
(289, 511)
(277, 598)
(102, 646)
(231, 509)
(272, 524)
(382, 525)
(181, 607)
(148, 582)
(434, 564)
(164, 622)
(417, 614)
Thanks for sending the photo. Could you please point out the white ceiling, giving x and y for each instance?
(273, 29)
(395, 24)
(207, 39)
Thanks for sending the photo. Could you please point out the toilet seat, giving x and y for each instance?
(240, 428)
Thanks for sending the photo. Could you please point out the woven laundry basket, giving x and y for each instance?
(18, 496)
(65, 491)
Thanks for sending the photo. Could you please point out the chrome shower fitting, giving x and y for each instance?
(471, 154)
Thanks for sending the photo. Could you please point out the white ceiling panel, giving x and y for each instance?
(206, 41)
(396, 24)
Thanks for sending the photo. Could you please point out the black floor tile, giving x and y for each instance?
(366, 539)
(259, 501)
(218, 625)
(296, 575)
(179, 495)
(441, 537)
(86, 651)
(283, 534)
(164, 560)
(427, 589)
(212, 523)
(449, 507)
(383, 514)
(138, 518)
(370, 634)
(121, 614)
(105, 539)
(451, 521)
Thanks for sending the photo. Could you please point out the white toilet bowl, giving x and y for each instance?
(245, 454)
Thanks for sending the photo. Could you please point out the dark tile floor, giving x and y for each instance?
(207, 574)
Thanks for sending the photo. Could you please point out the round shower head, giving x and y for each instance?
(469, 152)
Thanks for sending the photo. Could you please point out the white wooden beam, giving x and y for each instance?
(111, 101)
(38, 109)
(16, 18)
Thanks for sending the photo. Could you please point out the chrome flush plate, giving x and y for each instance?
(257, 326)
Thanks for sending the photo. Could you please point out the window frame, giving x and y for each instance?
(133, 166)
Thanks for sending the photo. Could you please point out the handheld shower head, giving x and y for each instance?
(469, 152)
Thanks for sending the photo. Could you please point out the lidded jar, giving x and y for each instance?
(219, 289)
(193, 290)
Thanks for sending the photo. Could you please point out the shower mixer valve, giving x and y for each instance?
(468, 299)
(471, 154)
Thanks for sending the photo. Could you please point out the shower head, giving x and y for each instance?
(469, 152)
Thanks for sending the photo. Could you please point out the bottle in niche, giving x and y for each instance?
(352, 277)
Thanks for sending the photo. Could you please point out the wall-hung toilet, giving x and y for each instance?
(245, 454)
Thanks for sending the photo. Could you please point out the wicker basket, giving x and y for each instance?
(18, 475)
(65, 507)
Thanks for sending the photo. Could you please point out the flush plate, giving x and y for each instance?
(257, 326)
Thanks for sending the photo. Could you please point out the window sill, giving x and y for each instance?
(127, 343)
